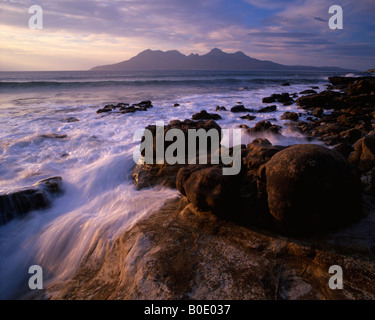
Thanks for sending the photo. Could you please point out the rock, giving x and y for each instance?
(363, 156)
(267, 109)
(70, 119)
(150, 174)
(361, 87)
(248, 117)
(325, 100)
(290, 116)
(240, 108)
(208, 189)
(312, 189)
(17, 204)
(265, 126)
(315, 88)
(180, 253)
(124, 108)
(282, 98)
(243, 126)
(344, 149)
(352, 135)
(318, 112)
(218, 108)
(176, 105)
(53, 136)
(286, 84)
(308, 92)
(204, 115)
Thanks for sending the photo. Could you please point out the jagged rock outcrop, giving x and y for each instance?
(18, 203)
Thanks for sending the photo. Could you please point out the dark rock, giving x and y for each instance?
(267, 109)
(218, 108)
(240, 108)
(344, 149)
(325, 100)
(265, 126)
(352, 135)
(151, 174)
(308, 92)
(290, 116)
(176, 105)
(286, 84)
(363, 156)
(318, 112)
(70, 119)
(248, 117)
(243, 126)
(312, 189)
(18, 204)
(315, 87)
(208, 189)
(53, 136)
(204, 115)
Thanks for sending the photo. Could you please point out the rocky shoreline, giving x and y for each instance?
(270, 232)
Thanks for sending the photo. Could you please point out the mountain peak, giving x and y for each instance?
(215, 51)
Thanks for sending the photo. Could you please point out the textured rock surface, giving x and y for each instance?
(312, 188)
(18, 203)
(180, 253)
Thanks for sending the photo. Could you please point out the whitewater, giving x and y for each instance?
(94, 153)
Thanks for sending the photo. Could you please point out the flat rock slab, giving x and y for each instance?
(180, 253)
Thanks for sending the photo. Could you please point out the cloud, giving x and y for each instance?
(112, 31)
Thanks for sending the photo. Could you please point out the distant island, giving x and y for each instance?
(216, 59)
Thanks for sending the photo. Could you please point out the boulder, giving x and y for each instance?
(265, 126)
(204, 115)
(267, 109)
(240, 108)
(248, 117)
(290, 116)
(208, 189)
(363, 156)
(312, 189)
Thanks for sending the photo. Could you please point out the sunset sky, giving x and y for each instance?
(78, 35)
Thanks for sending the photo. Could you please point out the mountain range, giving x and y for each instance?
(216, 59)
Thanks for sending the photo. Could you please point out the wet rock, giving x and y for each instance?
(308, 92)
(70, 119)
(218, 108)
(267, 109)
(265, 126)
(282, 98)
(53, 136)
(248, 117)
(204, 115)
(240, 108)
(17, 204)
(290, 116)
(285, 84)
(176, 105)
(325, 100)
(312, 189)
(180, 253)
(318, 112)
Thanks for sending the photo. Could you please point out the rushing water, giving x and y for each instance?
(96, 157)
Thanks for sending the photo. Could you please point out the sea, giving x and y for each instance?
(95, 158)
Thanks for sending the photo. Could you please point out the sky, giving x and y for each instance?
(78, 35)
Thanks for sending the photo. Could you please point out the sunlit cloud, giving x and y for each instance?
(82, 34)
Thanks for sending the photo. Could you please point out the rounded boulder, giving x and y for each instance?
(312, 189)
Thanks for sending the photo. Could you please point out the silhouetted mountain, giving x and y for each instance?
(214, 60)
